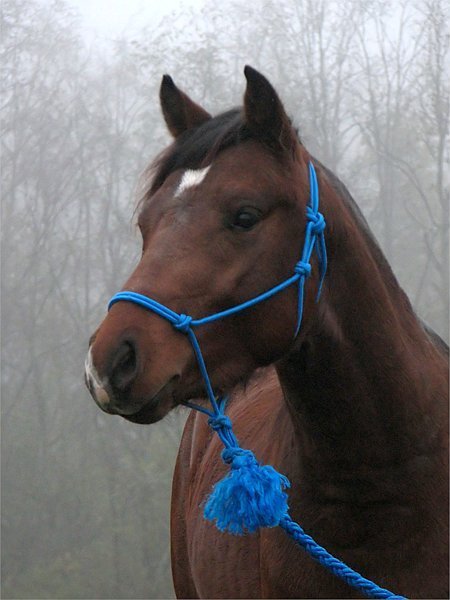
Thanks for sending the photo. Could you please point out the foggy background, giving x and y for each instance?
(85, 496)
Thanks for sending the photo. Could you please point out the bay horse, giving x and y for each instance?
(354, 409)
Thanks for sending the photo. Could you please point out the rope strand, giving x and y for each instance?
(334, 565)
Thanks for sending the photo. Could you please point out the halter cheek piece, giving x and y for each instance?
(252, 495)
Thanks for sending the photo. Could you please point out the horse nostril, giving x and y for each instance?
(124, 367)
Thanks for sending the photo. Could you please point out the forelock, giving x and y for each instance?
(196, 148)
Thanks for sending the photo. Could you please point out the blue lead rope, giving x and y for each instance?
(252, 495)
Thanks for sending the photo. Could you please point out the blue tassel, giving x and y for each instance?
(249, 496)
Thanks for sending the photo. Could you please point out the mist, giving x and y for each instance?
(86, 496)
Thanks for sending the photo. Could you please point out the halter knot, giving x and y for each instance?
(238, 458)
(183, 323)
(303, 268)
(220, 422)
(317, 221)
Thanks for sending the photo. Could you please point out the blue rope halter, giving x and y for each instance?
(252, 495)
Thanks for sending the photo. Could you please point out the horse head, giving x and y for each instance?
(222, 221)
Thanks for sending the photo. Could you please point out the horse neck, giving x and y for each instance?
(365, 386)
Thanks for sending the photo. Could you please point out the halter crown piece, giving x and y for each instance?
(252, 495)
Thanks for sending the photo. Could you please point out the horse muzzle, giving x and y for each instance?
(112, 392)
(109, 390)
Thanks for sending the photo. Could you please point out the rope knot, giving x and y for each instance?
(183, 323)
(238, 458)
(317, 221)
(250, 495)
(218, 422)
(303, 268)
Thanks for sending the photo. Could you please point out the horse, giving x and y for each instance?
(353, 409)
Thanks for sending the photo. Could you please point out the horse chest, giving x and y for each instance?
(209, 564)
(206, 562)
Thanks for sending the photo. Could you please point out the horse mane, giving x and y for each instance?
(195, 147)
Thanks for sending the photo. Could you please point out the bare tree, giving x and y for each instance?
(367, 88)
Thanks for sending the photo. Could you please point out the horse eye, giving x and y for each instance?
(245, 218)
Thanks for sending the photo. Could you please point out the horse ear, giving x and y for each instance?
(264, 112)
(180, 112)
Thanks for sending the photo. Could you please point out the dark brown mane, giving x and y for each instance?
(193, 147)
(197, 146)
